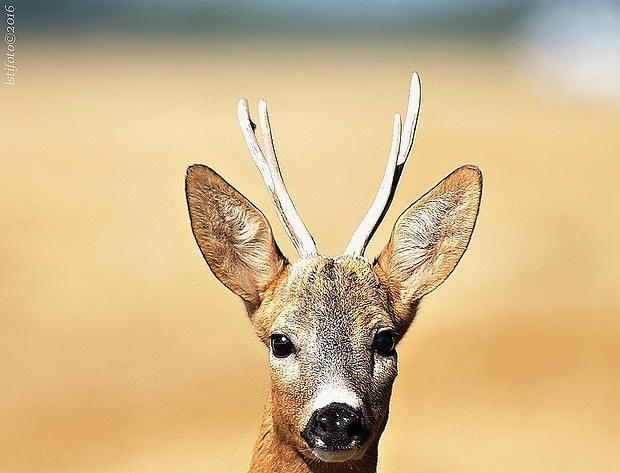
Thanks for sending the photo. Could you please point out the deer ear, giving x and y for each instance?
(234, 236)
(430, 237)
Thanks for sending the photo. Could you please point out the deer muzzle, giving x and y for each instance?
(336, 432)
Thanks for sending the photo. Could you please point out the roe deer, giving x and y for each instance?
(331, 324)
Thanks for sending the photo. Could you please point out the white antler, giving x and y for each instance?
(401, 148)
(270, 170)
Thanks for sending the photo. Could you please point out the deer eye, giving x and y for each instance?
(281, 345)
(385, 342)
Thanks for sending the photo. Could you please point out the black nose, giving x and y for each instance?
(336, 425)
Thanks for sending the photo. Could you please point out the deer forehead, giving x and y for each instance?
(333, 300)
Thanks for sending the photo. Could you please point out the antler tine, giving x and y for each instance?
(270, 171)
(371, 221)
(402, 143)
(411, 120)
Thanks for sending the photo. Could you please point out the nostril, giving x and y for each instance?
(356, 429)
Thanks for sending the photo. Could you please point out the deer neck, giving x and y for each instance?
(272, 453)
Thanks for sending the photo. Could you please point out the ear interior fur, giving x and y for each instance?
(430, 237)
(234, 237)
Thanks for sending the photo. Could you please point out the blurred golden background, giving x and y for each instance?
(121, 352)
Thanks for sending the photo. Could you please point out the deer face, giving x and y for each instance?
(332, 342)
(331, 324)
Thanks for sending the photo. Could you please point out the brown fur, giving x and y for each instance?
(329, 305)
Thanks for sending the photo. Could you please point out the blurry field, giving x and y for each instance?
(120, 352)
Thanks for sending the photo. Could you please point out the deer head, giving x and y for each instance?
(332, 325)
